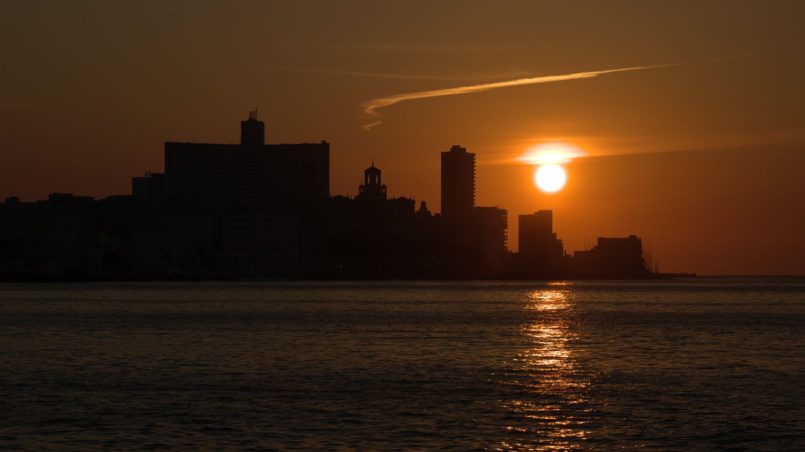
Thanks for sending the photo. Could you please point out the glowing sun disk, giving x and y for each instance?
(550, 178)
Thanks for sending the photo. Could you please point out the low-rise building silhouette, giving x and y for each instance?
(57, 237)
(150, 186)
(620, 257)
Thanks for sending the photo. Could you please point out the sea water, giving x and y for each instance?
(680, 364)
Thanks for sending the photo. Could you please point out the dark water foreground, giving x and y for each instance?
(698, 364)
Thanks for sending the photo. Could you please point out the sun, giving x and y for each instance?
(550, 178)
(549, 159)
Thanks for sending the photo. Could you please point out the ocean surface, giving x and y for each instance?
(666, 365)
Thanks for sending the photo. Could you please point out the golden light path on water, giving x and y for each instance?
(552, 393)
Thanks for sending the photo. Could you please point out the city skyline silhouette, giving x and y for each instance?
(264, 211)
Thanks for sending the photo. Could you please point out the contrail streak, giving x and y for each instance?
(370, 107)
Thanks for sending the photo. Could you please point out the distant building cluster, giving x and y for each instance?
(263, 211)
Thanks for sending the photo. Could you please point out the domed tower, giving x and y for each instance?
(372, 187)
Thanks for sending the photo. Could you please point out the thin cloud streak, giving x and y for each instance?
(370, 107)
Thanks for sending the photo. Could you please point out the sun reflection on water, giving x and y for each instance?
(550, 405)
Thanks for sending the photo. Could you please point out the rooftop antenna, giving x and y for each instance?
(253, 114)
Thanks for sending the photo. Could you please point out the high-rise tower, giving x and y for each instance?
(458, 184)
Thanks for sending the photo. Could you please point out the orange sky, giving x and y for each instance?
(704, 159)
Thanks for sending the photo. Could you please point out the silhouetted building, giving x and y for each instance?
(611, 258)
(541, 252)
(372, 187)
(278, 181)
(458, 184)
(373, 236)
(262, 246)
(252, 131)
(423, 211)
(490, 240)
(275, 176)
(150, 186)
(472, 239)
(58, 237)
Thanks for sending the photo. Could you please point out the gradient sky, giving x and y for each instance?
(703, 159)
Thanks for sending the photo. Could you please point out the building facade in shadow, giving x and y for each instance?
(268, 201)
(542, 254)
(372, 236)
(473, 239)
(611, 257)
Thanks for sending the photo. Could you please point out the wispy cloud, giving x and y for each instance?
(370, 107)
